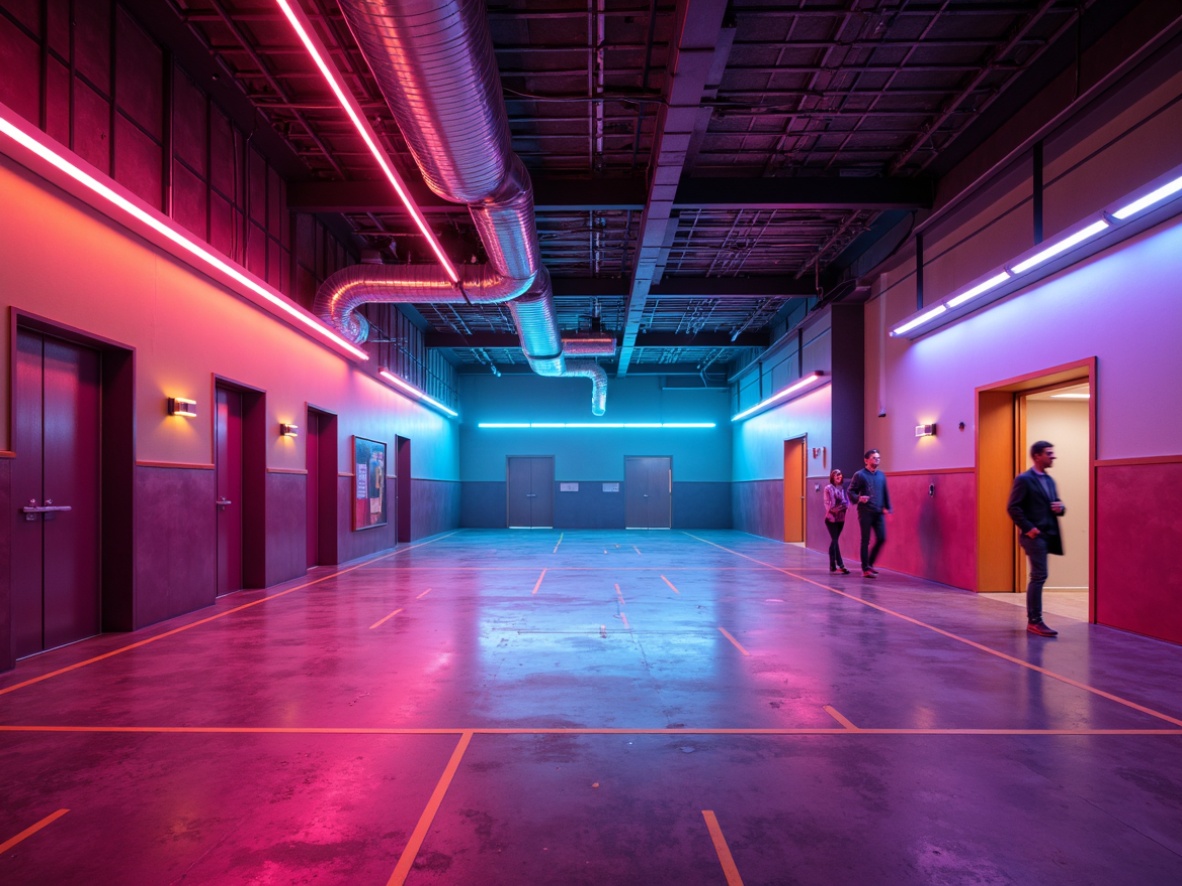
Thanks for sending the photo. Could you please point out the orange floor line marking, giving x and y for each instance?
(738, 645)
(420, 832)
(384, 619)
(724, 852)
(619, 596)
(637, 551)
(29, 831)
(564, 730)
(538, 584)
(844, 721)
(666, 581)
(422, 595)
(555, 551)
(973, 643)
(624, 618)
(130, 646)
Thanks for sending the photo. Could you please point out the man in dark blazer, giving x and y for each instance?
(1034, 507)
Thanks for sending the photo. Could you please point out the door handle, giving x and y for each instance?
(31, 510)
(223, 502)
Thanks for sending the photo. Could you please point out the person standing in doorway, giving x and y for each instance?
(837, 502)
(869, 490)
(1035, 508)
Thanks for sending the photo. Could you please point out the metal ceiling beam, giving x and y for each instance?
(510, 340)
(696, 62)
(564, 194)
(687, 287)
(804, 193)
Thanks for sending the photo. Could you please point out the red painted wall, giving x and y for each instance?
(933, 536)
(1137, 588)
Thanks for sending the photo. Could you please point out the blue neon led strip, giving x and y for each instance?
(583, 425)
(798, 385)
(416, 393)
(1160, 191)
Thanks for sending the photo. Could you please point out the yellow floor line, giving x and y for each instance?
(130, 646)
(836, 715)
(666, 581)
(555, 551)
(539, 582)
(29, 831)
(420, 832)
(724, 853)
(973, 643)
(564, 730)
(422, 595)
(624, 618)
(738, 645)
(619, 596)
(637, 550)
(384, 619)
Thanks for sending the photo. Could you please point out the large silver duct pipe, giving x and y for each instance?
(435, 66)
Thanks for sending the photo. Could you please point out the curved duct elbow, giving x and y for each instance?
(592, 370)
(435, 66)
(344, 292)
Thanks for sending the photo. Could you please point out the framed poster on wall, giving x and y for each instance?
(369, 483)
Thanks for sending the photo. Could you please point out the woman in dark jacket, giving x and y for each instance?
(837, 501)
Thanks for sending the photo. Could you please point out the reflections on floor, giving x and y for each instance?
(596, 707)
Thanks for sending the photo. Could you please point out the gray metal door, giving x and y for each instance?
(530, 491)
(648, 492)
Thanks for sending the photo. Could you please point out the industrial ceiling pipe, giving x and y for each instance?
(435, 66)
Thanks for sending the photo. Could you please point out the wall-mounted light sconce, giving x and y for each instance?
(1139, 210)
(286, 430)
(182, 406)
(925, 430)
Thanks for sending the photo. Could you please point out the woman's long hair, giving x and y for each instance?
(833, 474)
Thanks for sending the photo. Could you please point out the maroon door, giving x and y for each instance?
(55, 552)
(312, 461)
(228, 468)
(402, 489)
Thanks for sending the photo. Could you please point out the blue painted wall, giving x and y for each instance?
(701, 457)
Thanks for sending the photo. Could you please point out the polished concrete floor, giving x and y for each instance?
(538, 707)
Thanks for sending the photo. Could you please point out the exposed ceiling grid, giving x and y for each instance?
(697, 165)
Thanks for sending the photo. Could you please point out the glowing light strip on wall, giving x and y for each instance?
(797, 386)
(416, 393)
(319, 54)
(164, 226)
(1003, 280)
(563, 425)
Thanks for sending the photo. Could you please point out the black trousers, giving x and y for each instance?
(834, 551)
(871, 520)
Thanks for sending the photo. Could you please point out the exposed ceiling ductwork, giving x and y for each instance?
(435, 66)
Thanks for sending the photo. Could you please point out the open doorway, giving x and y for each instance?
(1055, 405)
(1061, 415)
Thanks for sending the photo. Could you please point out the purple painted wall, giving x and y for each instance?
(758, 507)
(6, 656)
(175, 541)
(434, 506)
(287, 530)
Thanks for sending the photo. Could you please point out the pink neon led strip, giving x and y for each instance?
(46, 153)
(303, 30)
